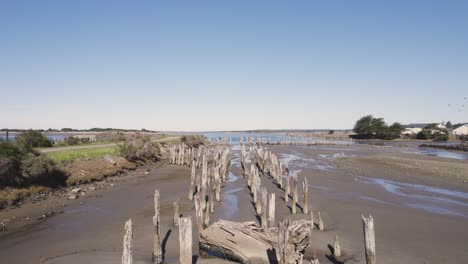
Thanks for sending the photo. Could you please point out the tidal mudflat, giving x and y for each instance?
(419, 203)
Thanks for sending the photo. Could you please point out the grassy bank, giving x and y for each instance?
(74, 154)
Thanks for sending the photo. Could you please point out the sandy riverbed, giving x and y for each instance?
(419, 216)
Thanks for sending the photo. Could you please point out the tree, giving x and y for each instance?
(363, 127)
(331, 132)
(449, 124)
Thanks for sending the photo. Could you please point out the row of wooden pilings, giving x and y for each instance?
(266, 162)
(209, 167)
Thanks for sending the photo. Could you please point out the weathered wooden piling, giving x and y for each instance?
(176, 213)
(336, 247)
(287, 190)
(192, 180)
(369, 238)
(198, 214)
(185, 240)
(305, 191)
(320, 222)
(127, 254)
(312, 219)
(295, 196)
(271, 209)
(207, 214)
(283, 239)
(264, 206)
(157, 250)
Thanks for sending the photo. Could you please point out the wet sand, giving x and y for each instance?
(418, 218)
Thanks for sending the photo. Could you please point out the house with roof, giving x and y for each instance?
(461, 130)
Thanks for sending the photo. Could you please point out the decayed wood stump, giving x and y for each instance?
(247, 242)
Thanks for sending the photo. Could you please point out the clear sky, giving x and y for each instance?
(222, 65)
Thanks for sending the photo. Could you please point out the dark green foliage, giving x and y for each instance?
(433, 132)
(448, 124)
(183, 139)
(368, 127)
(39, 169)
(140, 149)
(27, 140)
(10, 162)
(331, 132)
(72, 140)
(19, 168)
(193, 140)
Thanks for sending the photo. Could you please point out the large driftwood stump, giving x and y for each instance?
(249, 243)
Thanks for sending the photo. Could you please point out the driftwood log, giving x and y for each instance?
(248, 242)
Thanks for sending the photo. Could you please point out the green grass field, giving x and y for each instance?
(73, 154)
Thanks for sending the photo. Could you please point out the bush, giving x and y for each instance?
(110, 137)
(193, 140)
(140, 149)
(39, 169)
(27, 140)
(331, 132)
(433, 132)
(10, 161)
(72, 140)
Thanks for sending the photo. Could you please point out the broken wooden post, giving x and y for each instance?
(315, 259)
(283, 239)
(287, 190)
(369, 238)
(305, 191)
(127, 255)
(295, 196)
(176, 213)
(312, 219)
(192, 180)
(271, 209)
(185, 240)
(207, 214)
(264, 206)
(211, 202)
(198, 213)
(157, 250)
(336, 247)
(320, 222)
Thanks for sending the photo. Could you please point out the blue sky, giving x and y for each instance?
(231, 65)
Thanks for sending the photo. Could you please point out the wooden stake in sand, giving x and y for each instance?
(336, 247)
(198, 213)
(271, 209)
(185, 240)
(192, 181)
(287, 190)
(264, 206)
(127, 255)
(176, 213)
(295, 196)
(305, 191)
(283, 238)
(207, 213)
(312, 219)
(320, 222)
(369, 238)
(157, 250)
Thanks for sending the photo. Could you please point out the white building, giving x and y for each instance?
(411, 131)
(463, 130)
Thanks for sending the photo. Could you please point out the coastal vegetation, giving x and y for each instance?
(432, 131)
(369, 127)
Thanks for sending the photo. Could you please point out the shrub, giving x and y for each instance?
(72, 140)
(10, 161)
(193, 140)
(27, 140)
(110, 137)
(39, 169)
(140, 149)
(433, 132)
(368, 127)
(331, 132)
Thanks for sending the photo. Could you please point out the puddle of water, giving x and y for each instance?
(417, 196)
